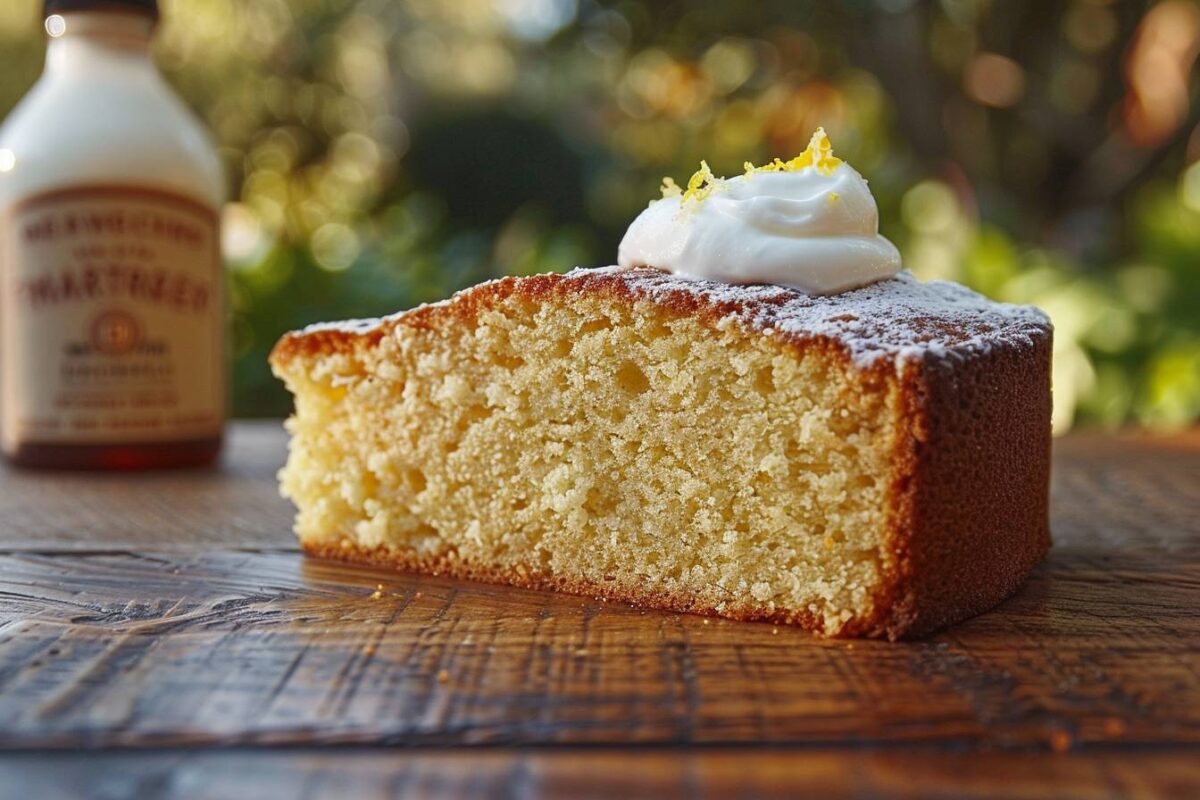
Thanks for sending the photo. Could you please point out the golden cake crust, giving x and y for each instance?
(967, 507)
(530, 578)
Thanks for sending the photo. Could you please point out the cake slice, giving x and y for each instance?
(873, 463)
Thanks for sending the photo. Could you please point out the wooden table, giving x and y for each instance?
(161, 636)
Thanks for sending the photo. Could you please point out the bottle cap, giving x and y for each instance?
(148, 7)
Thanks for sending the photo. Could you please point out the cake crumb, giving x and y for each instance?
(378, 593)
(611, 346)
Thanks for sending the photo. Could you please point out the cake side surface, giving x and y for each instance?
(836, 528)
(975, 515)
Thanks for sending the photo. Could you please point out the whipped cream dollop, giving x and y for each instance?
(810, 223)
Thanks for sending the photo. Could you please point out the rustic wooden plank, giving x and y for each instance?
(579, 775)
(173, 609)
(1116, 495)
(232, 648)
(236, 504)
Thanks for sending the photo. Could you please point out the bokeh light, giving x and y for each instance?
(383, 154)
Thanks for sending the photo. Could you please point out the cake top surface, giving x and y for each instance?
(897, 318)
(900, 318)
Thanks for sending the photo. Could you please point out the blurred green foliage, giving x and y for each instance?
(383, 153)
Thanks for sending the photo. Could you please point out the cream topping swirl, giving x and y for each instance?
(810, 223)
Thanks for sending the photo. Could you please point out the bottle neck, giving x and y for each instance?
(85, 40)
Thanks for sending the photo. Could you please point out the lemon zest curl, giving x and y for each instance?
(818, 155)
(701, 184)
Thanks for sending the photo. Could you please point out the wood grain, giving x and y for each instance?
(586, 774)
(266, 648)
(173, 610)
(234, 505)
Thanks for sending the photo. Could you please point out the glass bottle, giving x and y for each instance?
(112, 320)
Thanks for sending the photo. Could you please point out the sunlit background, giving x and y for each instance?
(382, 153)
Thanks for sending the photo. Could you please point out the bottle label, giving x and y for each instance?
(111, 318)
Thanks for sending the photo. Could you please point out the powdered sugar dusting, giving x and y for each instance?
(365, 325)
(900, 318)
(352, 326)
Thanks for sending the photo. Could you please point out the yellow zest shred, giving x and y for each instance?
(701, 184)
(818, 154)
